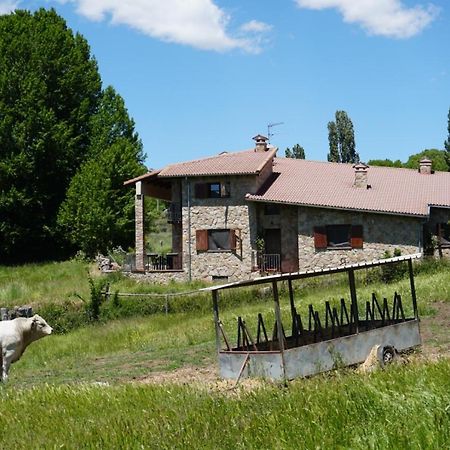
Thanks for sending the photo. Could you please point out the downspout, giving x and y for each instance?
(189, 229)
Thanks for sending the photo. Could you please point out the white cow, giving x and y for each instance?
(16, 335)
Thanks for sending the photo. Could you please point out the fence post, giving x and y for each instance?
(166, 306)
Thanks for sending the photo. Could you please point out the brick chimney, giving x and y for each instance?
(425, 166)
(361, 176)
(261, 143)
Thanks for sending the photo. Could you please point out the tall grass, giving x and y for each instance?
(403, 407)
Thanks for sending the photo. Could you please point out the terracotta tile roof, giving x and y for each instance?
(248, 162)
(330, 185)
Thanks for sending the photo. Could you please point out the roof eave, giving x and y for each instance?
(341, 208)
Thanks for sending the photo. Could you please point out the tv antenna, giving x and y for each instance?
(269, 129)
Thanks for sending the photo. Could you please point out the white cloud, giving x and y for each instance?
(254, 26)
(198, 23)
(381, 17)
(8, 6)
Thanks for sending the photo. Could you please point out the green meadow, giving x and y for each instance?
(88, 385)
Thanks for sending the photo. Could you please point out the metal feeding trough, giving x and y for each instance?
(343, 336)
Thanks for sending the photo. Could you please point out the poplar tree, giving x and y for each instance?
(447, 143)
(49, 88)
(341, 138)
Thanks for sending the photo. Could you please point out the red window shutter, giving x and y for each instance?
(320, 237)
(233, 239)
(201, 238)
(357, 236)
(201, 190)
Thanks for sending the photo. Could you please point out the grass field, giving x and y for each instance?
(106, 385)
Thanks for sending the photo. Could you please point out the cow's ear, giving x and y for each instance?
(33, 322)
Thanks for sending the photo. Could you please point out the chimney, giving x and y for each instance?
(361, 176)
(425, 166)
(261, 143)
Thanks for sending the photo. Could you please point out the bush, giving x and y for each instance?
(393, 272)
(63, 317)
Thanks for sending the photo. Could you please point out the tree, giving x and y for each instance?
(333, 140)
(447, 142)
(437, 156)
(49, 88)
(297, 152)
(98, 212)
(341, 139)
(385, 163)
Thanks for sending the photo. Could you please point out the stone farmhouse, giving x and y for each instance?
(239, 214)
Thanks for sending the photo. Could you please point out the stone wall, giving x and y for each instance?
(381, 232)
(233, 212)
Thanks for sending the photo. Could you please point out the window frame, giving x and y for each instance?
(322, 237)
(203, 240)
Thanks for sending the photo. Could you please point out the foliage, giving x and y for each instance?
(447, 142)
(96, 298)
(341, 137)
(385, 163)
(49, 88)
(297, 152)
(437, 156)
(98, 212)
(393, 272)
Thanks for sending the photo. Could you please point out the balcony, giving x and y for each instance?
(163, 263)
(266, 262)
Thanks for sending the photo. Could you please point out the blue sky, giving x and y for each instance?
(203, 76)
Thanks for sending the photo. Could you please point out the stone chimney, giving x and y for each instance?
(261, 143)
(425, 166)
(361, 176)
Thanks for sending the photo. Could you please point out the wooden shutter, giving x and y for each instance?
(357, 236)
(225, 189)
(235, 240)
(320, 237)
(201, 190)
(201, 238)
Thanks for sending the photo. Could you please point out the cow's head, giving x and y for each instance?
(40, 326)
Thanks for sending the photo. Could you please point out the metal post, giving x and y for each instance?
(215, 298)
(189, 228)
(279, 325)
(351, 281)
(413, 288)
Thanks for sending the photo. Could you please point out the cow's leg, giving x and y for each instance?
(6, 362)
(1, 365)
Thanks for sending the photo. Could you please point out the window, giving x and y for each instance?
(212, 190)
(218, 240)
(338, 237)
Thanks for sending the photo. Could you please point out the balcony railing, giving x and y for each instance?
(173, 213)
(162, 263)
(266, 262)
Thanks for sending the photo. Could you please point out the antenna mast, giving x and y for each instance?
(269, 129)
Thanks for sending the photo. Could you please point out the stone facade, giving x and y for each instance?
(381, 232)
(232, 212)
